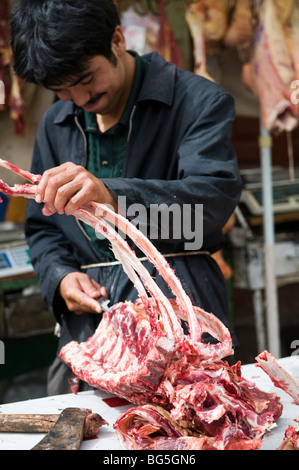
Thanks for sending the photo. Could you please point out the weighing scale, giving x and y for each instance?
(14, 261)
(285, 192)
(14, 251)
(264, 262)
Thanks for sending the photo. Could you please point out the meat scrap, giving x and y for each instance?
(93, 422)
(185, 392)
(291, 439)
(280, 377)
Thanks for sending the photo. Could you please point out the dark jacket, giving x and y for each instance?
(179, 151)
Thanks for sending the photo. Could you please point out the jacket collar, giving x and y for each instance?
(159, 81)
(68, 109)
(158, 85)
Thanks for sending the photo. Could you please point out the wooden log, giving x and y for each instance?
(27, 422)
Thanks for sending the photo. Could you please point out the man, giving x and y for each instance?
(125, 130)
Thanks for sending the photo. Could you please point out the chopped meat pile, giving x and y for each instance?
(212, 408)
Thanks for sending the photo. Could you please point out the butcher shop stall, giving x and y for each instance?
(250, 47)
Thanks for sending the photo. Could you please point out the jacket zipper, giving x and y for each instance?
(131, 123)
(129, 135)
(84, 164)
(84, 140)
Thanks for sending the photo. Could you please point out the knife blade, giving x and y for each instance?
(104, 303)
(67, 432)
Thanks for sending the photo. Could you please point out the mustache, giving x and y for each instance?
(94, 99)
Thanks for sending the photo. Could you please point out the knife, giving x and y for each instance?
(70, 421)
(67, 432)
(43, 423)
(104, 303)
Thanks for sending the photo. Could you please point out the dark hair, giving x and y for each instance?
(52, 40)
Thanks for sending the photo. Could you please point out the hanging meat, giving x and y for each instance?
(13, 88)
(270, 73)
(208, 22)
(195, 17)
(188, 396)
(285, 10)
(216, 21)
(292, 38)
(4, 55)
(166, 44)
(240, 31)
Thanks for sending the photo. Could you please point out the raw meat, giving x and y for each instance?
(141, 353)
(291, 439)
(280, 377)
(285, 10)
(216, 19)
(207, 21)
(166, 43)
(270, 73)
(292, 38)
(240, 31)
(213, 408)
(195, 20)
(13, 86)
(93, 422)
(130, 354)
(265, 34)
(151, 427)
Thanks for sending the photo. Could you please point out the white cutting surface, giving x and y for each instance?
(106, 439)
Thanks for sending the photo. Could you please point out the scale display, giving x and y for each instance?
(285, 192)
(285, 199)
(15, 261)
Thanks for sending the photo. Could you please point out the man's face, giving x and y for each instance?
(102, 88)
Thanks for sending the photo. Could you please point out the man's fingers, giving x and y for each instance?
(101, 289)
(65, 188)
(90, 287)
(89, 304)
(89, 291)
(80, 293)
(81, 303)
(42, 185)
(59, 190)
(53, 188)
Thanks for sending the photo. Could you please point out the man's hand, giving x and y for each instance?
(67, 187)
(80, 292)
